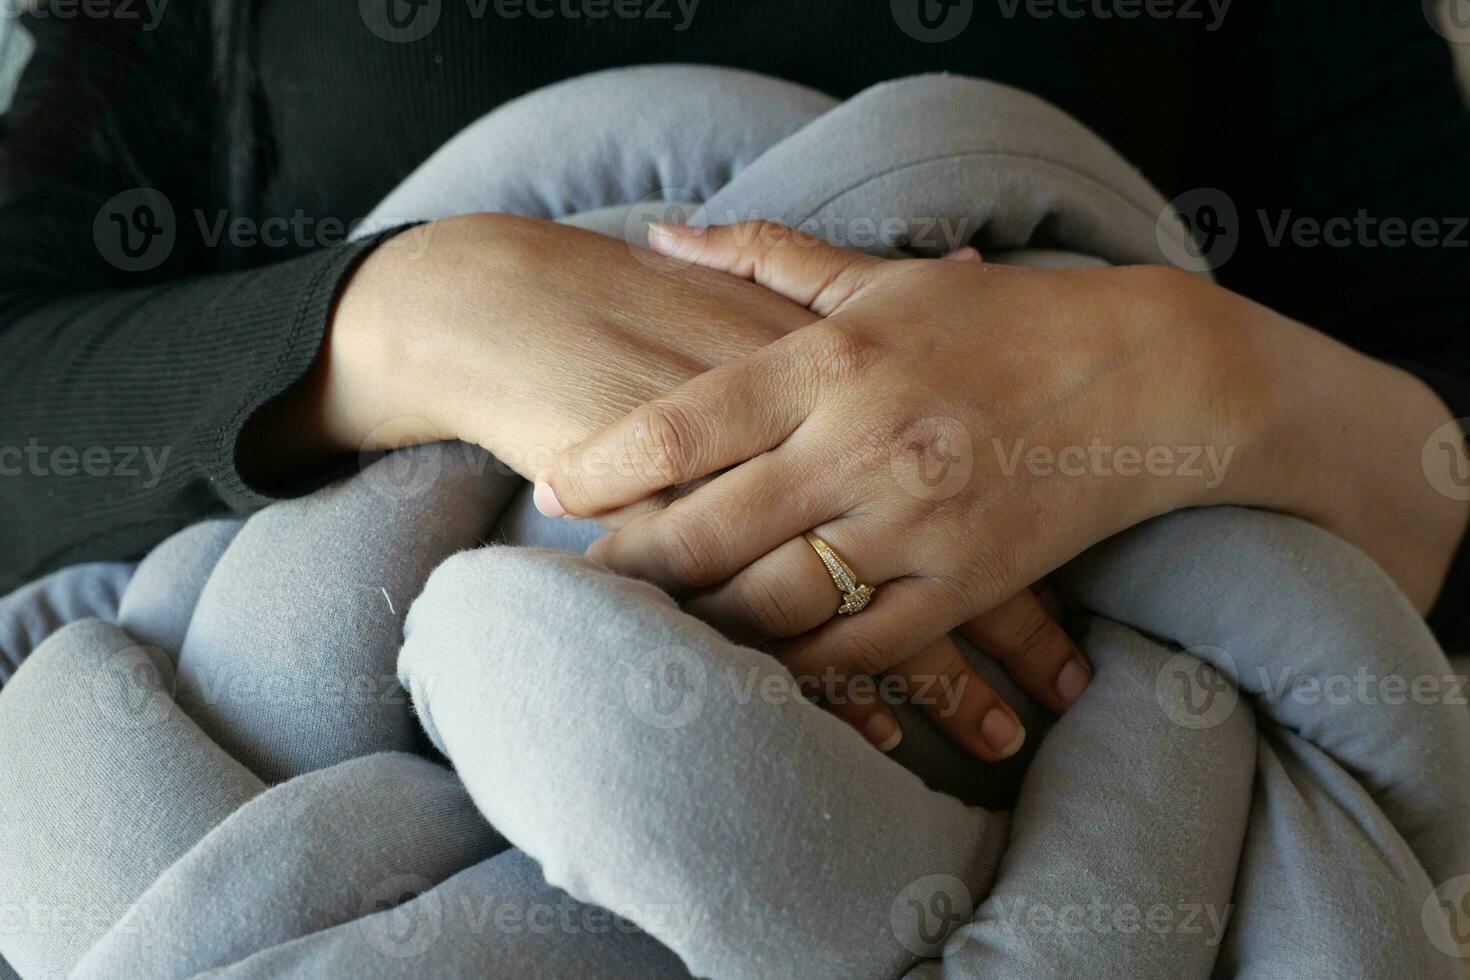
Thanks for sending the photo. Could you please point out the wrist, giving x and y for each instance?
(1204, 429)
(377, 364)
(324, 412)
(1233, 392)
(1325, 433)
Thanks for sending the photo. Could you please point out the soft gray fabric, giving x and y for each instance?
(105, 784)
(320, 848)
(1267, 633)
(1192, 814)
(35, 611)
(660, 751)
(165, 589)
(924, 165)
(496, 919)
(596, 144)
(257, 669)
(1123, 811)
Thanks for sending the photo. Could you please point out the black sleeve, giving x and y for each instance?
(1336, 133)
(128, 363)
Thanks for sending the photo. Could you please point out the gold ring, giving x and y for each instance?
(855, 595)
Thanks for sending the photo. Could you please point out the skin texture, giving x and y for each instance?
(916, 360)
(823, 378)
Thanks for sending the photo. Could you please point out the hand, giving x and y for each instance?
(521, 336)
(833, 427)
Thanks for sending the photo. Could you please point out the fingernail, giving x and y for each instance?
(675, 229)
(545, 500)
(1072, 681)
(964, 254)
(883, 732)
(1002, 733)
(670, 237)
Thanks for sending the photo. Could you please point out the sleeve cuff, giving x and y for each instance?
(295, 303)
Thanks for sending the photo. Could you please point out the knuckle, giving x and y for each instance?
(773, 235)
(768, 606)
(769, 232)
(664, 442)
(1030, 635)
(952, 594)
(989, 571)
(863, 653)
(758, 235)
(687, 549)
(837, 355)
(849, 278)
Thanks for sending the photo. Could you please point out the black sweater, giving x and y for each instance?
(139, 331)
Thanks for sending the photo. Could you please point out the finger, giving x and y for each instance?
(741, 516)
(798, 266)
(904, 616)
(720, 418)
(965, 253)
(1051, 601)
(941, 682)
(789, 591)
(1034, 650)
(859, 704)
(652, 504)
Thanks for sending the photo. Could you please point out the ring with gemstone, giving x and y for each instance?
(855, 595)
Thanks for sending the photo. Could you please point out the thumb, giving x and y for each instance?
(791, 263)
